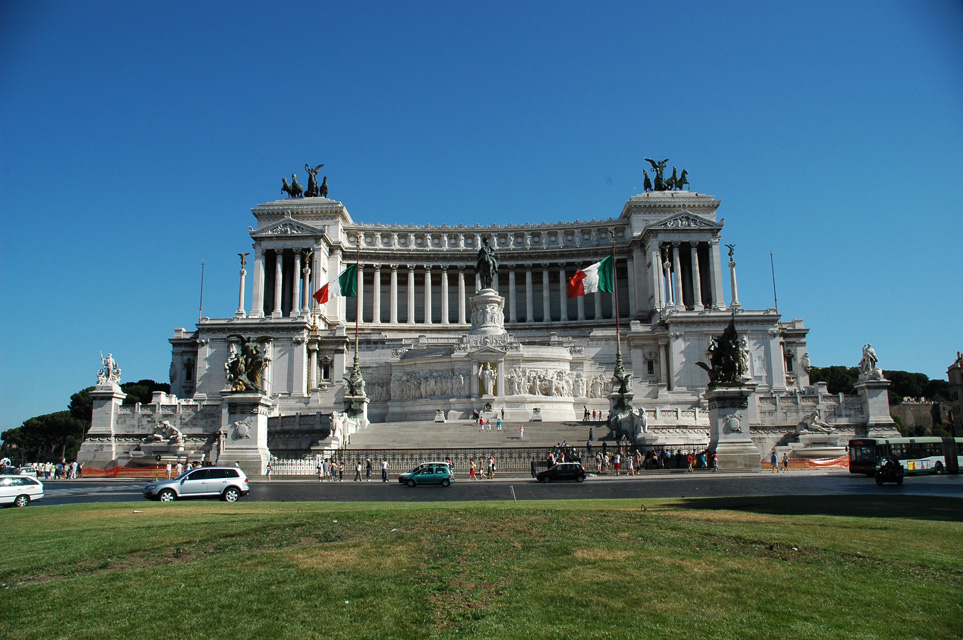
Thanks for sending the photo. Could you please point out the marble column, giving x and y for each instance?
(732, 279)
(306, 284)
(411, 294)
(444, 294)
(312, 367)
(715, 266)
(597, 300)
(376, 292)
(428, 294)
(461, 295)
(546, 295)
(512, 309)
(393, 299)
(278, 283)
(580, 306)
(296, 285)
(359, 301)
(696, 278)
(677, 276)
(257, 289)
(240, 296)
(529, 303)
(562, 294)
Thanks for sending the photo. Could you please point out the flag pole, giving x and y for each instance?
(358, 310)
(615, 287)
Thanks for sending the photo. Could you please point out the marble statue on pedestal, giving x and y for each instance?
(110, 372)
(869, 365)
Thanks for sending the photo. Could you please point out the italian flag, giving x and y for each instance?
(597, 277)
(346, 285)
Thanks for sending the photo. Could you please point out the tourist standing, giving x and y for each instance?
(384, 470)
(471, 469)
(268, 471)
(367, 469)
(774, 461)
(785, 462)
(168, 469)
(521, 431)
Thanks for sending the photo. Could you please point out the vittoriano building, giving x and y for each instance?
(450, 322)
(548, 351)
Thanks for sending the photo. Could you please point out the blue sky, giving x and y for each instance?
(136, 137)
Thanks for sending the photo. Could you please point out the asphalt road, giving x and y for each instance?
(675, 485)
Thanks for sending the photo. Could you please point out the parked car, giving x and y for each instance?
(562, 471)
(19, 491)
(428, 473)
(226, 483)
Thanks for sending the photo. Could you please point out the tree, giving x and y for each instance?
(142, 390)
(838, 379)
(53, 436)
(82, 405)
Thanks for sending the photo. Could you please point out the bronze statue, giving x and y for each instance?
(312, 190)
(294, 189)
(658, 167)
(323, 190)
(728, 359)
(675, 181)
(244, 367)
(646, 183)
(487, 265)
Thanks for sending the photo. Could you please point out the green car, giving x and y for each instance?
(428, 473)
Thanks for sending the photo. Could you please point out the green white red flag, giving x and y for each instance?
(597, 277)
(345, 285)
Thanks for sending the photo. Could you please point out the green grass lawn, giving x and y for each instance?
(797, 567)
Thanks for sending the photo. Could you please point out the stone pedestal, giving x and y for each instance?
(99, 448)
(487, 313)
(875, 397)
(729, 428)
(356, 408)
(243, 437)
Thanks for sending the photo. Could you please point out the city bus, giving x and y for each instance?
(917, 455)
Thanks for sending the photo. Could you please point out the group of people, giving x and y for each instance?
(333, 470)
(774, 462)
(62, 470)
(631, 463)
(486, 424)
(482, 469)
(174, 470)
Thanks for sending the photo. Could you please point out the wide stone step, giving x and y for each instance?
(464, 434)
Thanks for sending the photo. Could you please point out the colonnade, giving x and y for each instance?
(688, 275)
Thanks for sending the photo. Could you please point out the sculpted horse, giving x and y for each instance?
(294, 189)
(682, 182)
(323, 189)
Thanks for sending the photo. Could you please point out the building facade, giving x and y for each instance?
(432, 345)
(413, 313)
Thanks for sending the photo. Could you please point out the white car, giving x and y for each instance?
(19, 491)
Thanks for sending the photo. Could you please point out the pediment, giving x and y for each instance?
(685, 220)
(287, 226)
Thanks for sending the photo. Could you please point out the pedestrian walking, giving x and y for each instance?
(774, 461)
(267, 471)
(384, 470)
(785, 463)
(521, 431)
(357, 472)
(367, 470)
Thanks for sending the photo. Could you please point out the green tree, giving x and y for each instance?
(142, 390)
(82, 405)
(53, 436)
(837, 379)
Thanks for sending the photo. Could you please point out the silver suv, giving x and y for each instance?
(226, 483)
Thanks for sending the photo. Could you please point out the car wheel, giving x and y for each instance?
(939, 467)
(167, 496)
(231, 494)
(580, 478)
(21, 501)
(879, 480)
(411, 483)
(445, 482)
(548, 478)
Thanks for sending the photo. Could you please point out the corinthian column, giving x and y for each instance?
(257, 292)
(696, 278)
(376, 292)
(278, 283)
(546, 295)
(428, 294)
(411, 294)
(295, 285)
(679, 299)
(393, 301)
(461, 295)
(444, 294)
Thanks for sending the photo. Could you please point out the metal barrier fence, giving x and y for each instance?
(511, 461)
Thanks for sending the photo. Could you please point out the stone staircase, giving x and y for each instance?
(464, 434)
